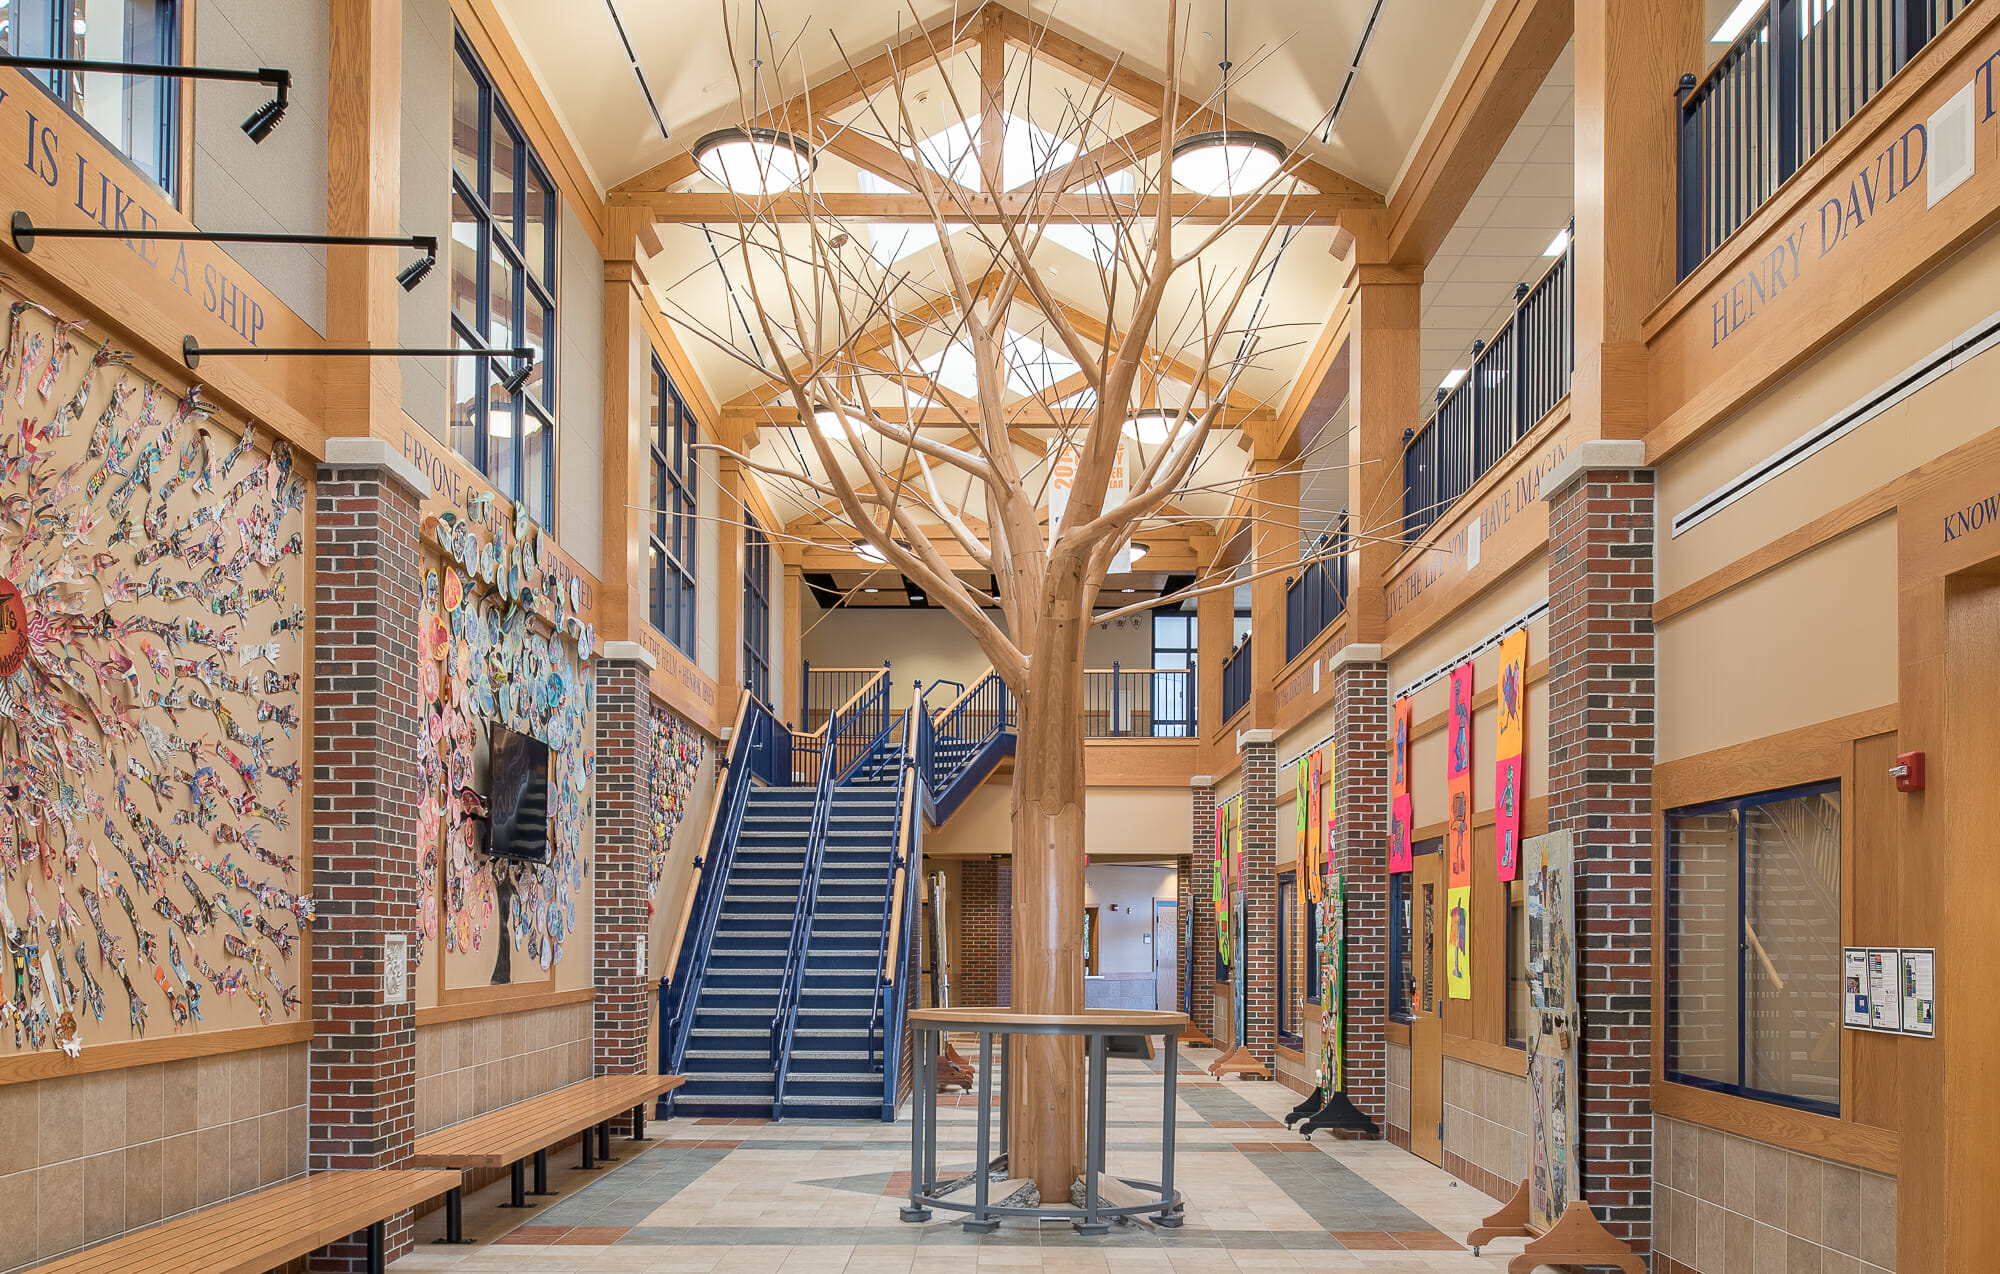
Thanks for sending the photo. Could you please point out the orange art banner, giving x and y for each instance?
(1510, 741)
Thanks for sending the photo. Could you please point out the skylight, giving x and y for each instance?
(1031, 366)
(1027, 151)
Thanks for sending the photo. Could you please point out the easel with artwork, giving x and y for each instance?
(1549, 1209)
(1239, 1060)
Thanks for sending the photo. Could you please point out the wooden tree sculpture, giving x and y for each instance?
(846, 327)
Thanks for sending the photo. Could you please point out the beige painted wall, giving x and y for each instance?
(1122, 822)
(1127, 931)
(1811, 640)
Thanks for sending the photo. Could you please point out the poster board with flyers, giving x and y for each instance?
(1555, 1025)
(1891, 990)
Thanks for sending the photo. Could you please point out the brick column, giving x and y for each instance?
(1360, 849)
(984, 936)
(361, 1087)
(618, 877)
(1197, 892)
(1259, 852)
(1600, 783)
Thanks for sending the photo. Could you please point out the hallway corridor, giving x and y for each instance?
(818, 1197)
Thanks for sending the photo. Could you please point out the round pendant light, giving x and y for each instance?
(1151, 426)
(1231, 161)
(754, 161)
(827, 420)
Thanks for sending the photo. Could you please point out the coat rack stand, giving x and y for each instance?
(1577, 1238)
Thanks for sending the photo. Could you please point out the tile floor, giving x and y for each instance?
(813, 1197)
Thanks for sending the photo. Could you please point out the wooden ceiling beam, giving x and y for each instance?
(723, 208)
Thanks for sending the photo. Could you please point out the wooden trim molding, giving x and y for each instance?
(1504, 1058)
(1804, 755)
(1396, 1032)
(465, 1010)
(1842, 1140)
(54, 1064)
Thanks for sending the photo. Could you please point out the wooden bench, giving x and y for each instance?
(264, 1230)
(512, 1135)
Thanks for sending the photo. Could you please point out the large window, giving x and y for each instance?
(138, 115)
(670, 554)
(1175, 636)
(1288, 993)
(1402, 946)
(503, 290)
(756, 609)
(1753, 962)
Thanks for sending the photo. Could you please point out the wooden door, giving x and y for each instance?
(1427, 912)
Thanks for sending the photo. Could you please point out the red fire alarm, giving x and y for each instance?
(1908, 772)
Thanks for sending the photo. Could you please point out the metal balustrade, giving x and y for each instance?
(1236, 680)
(1317, 596)
(1139, 703)
(1796, 74)
(1517, 376)
(825, 689)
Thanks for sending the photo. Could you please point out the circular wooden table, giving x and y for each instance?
(1095, 1027)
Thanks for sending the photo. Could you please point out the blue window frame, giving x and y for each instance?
(1404, 922)
(136, 115)
(1312, 987)
(756, 609)
(1753, 946)
(1288, 910)
(670, 550)
(503, 292)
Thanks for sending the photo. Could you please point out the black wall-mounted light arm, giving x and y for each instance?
(25, 232)
(258, 126)
(193, 351)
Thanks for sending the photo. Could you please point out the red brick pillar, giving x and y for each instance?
(361, 1092)
(976, 980)
(1197, 896)
(618, 876)
(1600, 784)
(1360, 849)
(1260, 894)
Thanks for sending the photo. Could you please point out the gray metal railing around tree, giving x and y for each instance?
(1795, 75)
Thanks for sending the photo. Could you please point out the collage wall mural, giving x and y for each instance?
(674, 755)
(502, 648)
(153, 638)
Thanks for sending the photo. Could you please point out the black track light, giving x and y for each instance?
(258, 126)
(25, 232)
(193, 351)
(413, 273)
(514, 380)
(265, 118)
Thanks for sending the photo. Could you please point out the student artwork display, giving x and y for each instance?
(490, 655)
(1510, 742)
(1458, 835)
(1402, 812)
(1219, 884)
(1333, 986)
(1554, 1027)
(674, 755)
(1889, 989)
(152, 647)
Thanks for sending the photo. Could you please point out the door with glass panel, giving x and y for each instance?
(1426, 1004)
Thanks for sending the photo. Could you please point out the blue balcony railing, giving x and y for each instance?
(1236, 671)
(1799, 71)
(1516, 377)
(1138, 703)
(1316, 596)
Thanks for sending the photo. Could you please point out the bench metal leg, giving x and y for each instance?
(454, 1217)
(518, 1196)
(542, 1173)
(639, 1123)
(604, 1154)
(375, 1248)
(589, 1163)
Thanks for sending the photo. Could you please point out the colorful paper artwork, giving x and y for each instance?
(1458, 835)
(511, 653)
(1215, 884)
(152, 647)
(1402, 809)
(674, 755)
(1510, 792)
(1554, 1027)
(1333, 986)
(1313, 855)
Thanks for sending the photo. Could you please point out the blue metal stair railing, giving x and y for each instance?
(756, 746)
(892, 989)
(969, 738)
(849, 735)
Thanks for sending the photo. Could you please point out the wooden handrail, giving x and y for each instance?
(965, 694)
(902, 873)
(707, 838)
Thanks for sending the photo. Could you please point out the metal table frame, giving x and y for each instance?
(1095, 1217)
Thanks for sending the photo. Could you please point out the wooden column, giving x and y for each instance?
(791, 654)
(1385, 359)
(1215, 623)
(1626, 161)
(732, 481)
(363, 197)
(628, 367)
(1274, 540)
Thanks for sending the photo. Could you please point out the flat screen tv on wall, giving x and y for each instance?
(520, 774)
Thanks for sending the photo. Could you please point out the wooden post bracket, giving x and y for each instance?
(1238, 1061)
(1577, 1239)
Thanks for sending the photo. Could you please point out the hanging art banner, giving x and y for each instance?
(1458, 834)
(1554, 1025)
(1333, 985)
(1510, 741)
(1215, 893)
(1302, 802)
(1401, 808)
(1316, 844)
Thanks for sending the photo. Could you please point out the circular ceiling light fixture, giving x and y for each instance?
(868, 552)
(1226, 161)
(1136, 550)
(1230, 161)
(754, 161)
(1154, 426)
(827, 421)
